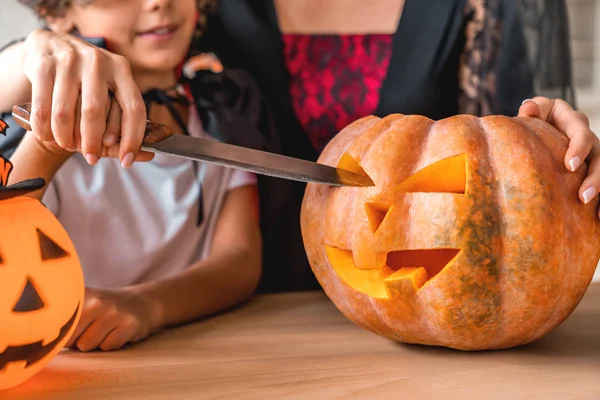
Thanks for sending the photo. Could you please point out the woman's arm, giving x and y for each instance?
(223, 280)
(47, 67)
(16, 88)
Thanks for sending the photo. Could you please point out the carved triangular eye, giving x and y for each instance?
(350, 164)
(445, 176)
(49, 249)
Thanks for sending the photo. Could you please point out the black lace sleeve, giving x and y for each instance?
(546, 30)
(515, 49)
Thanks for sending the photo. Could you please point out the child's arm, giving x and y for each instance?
(223, 280)
(115, 317)
(32, 159)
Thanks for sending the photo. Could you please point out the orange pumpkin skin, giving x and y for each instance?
(472, 238)
(41, 289)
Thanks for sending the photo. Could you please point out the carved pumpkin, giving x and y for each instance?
(472, 238)
(41, 283)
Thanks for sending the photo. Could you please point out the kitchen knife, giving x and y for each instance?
(161, 139)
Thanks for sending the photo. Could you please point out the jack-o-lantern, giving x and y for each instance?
(41, 282)
(473, 236)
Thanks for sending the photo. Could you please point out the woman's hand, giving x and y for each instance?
(112, 318)
(584, 145)
(71, 107)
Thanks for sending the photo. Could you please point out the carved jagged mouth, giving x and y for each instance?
(34, 352)
(416, 266)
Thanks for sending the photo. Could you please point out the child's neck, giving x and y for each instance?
(161, 80)
(147, 80)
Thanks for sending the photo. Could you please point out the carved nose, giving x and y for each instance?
(30, 299)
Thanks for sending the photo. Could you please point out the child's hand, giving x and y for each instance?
(111, 318)
(583, 143)
(71, 107)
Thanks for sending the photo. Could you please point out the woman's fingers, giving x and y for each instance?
(573, 124)
(591, 185)
(39, 69)
(133, 117)
(583, 143)
(95, 104)
(65, 96)
(71, 105)
(114, 151)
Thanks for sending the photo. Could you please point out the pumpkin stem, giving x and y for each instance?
(19, 188)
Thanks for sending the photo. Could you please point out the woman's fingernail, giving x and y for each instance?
(91, 159)
(588, 194)
(574, 163)
(127, 161)
(525, 101)
(109, 140)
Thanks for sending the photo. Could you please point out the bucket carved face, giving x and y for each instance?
(472, 237)
(41, 288)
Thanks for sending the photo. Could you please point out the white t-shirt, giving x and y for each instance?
(133, 226)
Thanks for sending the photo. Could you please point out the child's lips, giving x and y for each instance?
(165, 31)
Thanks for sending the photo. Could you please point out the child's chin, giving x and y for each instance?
(161, 64)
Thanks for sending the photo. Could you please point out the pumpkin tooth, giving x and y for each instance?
(16, 366)
(50, 338)
(417, 275)
(368, 281)
(432, 260)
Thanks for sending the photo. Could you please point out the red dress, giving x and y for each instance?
(335, 79)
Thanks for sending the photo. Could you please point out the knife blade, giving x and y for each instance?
(160, 138)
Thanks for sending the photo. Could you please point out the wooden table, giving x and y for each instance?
(298, 346)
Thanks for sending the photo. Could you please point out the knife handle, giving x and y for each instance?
(154, 132)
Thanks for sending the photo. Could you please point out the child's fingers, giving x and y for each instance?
(95, 105)
(95, 334)
(116, 339)
(113, 124)
(86, 319)
(77, 126)
(133, 118)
